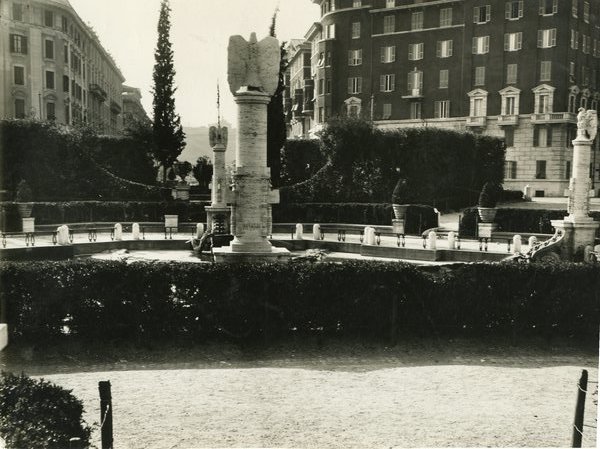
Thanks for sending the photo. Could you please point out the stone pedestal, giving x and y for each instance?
(485, 229)
(398, 226)
(226, 254)
(576, 237)
(28, 224)
(218, 214)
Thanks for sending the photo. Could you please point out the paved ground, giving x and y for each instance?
(449, 394)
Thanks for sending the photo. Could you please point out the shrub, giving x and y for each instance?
(400, 193)
(243, 302)
(24, 193)
(36, 414)
(489, 195)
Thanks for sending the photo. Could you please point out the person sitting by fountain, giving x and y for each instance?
(204, 243)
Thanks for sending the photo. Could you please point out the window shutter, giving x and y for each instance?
(555, 6)
(393, 82)
(549, 136)
(507, 10)
(349, 57)
(411, 52)
(519, 40)
(542, 7)
(349, 85)
(474, 45)
(553, 37)
(521, 8)
(488, 13)
(476, 14)
(393, 50)
(12, 43)
(450, 44)
(382, 83)
(383, 54)
(420, 51)
(536, 136)
(24, 45)
(506, 41)
(486, 41)
(540, 39)
(410, 82)
(359, 85)
(439, 49)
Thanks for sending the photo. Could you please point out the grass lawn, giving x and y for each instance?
(433, 394)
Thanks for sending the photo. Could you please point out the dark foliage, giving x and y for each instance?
(108, 301)
(489, 194)
(301, 159)
(443, 168)
(169, 138)
(418, 218)
(203, 172)
(36, 414)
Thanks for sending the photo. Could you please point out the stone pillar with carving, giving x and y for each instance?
(218, 214)
(579, 228)
(253, 75)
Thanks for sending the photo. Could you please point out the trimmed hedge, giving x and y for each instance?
(111, 301)
(36, 414)
(418, 217)
(102, 211)
(517, 220)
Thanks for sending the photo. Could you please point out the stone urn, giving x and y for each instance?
(487, 214)
(25, 209)
(399, 211)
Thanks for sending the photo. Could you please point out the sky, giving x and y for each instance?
(200, 31)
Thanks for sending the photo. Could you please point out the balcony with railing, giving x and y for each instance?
(476, 122)
(554, 117)
(414, 94)
(98, 92)
(508, 120)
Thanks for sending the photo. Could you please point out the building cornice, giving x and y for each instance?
(415, 5)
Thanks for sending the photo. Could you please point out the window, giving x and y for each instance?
(355, 30)
(479, 76)
(511, 166)
(19, 75)
(65, 83)
(514, 10)
(509, 140)
(415, 81)
(511, 73)
(444, 49)
(328, 58)
(544, 104)
(330, 31)
(481, 45)
(574, 39)
(479, 107)
(482, 14)
(441, 109)
(540, 169)
(66, 53)
(478, 103)
(387, 110)
(513, 41)
(572, 70)
(415, 110)
(542, 136)
(572, 105)
(328, 86)
(19, 108)
(586, 12)
(574, 8)
(546, 38)
(17, 12)
(49, 49)
(50, 111)
(49, 18)
(64, 24)
(18, 44)
(355, 85)
(583, 102)
(416, 22)
(321, 86)
(548, 7)
(415, 51)
(356, 3)
(390, 3)
(443, 79)
(445, 17)
(388, 54)
(568, 170)
(586, 44)
(387, 83)
(545, 70)
(49, 79)
(510, 106)
(321, 117)
(355, 57)
(389, 24)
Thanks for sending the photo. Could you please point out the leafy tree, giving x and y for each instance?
(203, 172)
(169, 137)
(276, 129)
(183, 169)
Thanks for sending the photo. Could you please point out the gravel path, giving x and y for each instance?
(408, 406)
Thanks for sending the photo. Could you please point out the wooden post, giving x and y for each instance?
(579, 409)
(106, 422)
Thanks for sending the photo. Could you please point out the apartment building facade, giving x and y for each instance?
(53, 66)
(518, 70)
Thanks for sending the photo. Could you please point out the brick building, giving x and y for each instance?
(513, 69)
(53, 66)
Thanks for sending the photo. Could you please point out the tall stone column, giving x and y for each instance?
(578, 227)
(250, 208)
(218, 212)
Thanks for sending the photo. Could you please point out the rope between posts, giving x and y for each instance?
(105, 416)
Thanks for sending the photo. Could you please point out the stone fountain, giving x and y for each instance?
(253, 75)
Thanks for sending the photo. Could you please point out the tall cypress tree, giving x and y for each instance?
(168, 134)
(276, 130)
